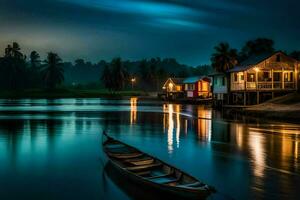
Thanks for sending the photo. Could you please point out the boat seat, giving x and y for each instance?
(143, 167)
(143, 173)
(125, 156)
(140, 161)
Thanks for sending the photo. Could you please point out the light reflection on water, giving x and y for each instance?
(48, 142)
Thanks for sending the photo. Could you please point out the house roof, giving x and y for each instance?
(194, 79)
(251, 61)
(177, 81)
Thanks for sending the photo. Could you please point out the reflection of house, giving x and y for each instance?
(173, 88)
(197, 86)
(257, 79)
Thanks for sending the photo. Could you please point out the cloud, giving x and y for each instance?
(150, 11)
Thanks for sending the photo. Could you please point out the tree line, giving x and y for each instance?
(21, 72)
(18, 72)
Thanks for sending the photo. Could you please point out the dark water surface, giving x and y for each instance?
(50, 149)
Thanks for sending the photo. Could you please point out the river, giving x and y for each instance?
(51, 149)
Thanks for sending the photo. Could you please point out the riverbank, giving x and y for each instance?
(69, 93)
(286, 108)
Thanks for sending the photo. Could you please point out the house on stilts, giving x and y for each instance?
(256, 80)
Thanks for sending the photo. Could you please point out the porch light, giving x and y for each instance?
(256, 69)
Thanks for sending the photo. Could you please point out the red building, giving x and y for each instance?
(197, 87)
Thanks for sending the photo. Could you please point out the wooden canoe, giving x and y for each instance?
(152, 173)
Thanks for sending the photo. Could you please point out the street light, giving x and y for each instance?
(133, 80)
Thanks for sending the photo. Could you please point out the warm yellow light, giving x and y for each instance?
(133, 80)
(163, 87)
(170, 85)
(256, 69)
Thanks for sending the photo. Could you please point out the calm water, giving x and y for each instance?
(50, 149)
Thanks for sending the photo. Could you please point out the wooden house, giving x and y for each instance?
(196, 86)
(174, 88)
(258, 79)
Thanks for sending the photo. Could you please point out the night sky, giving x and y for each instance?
(184, 29)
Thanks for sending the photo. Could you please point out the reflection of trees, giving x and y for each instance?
(11, 130)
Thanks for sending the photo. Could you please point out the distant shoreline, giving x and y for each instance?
(69, 93)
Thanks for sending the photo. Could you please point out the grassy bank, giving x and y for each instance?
(286, 108)
(68, 93)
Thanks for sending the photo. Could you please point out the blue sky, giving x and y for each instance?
(184, 29)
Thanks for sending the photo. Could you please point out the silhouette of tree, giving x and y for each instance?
(79, 62)
(13, 67)
(35, 59)
(143, 71)
(224, 57)
(34, 78)
(256, 47)
(119, 74)
(295, 54)
(106, 78)
(53, 73)
(152, 75)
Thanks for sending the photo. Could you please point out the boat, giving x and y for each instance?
(152, 173)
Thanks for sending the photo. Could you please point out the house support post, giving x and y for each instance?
(245, 98)
(257, 97)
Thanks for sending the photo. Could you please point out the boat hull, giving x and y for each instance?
(160, 190)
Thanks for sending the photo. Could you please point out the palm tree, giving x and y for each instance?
(224, 58)
(34, 59)
(13, 67)
(16, 51)
(34, 78)
(53, 73)
(256, 47)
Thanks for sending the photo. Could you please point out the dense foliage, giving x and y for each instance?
(19, 72)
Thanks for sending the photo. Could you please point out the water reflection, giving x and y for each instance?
(133, 110)
(64, 146)
(204, 123)
(257, 153)
(168, 122)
